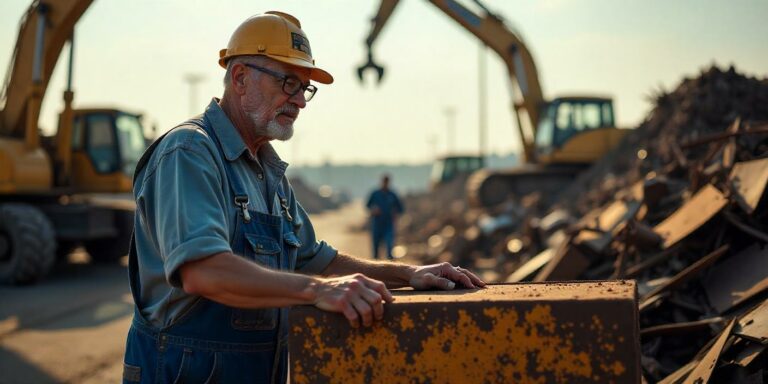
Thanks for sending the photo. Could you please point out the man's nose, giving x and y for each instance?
(298, 99)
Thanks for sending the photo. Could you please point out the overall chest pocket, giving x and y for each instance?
(266, 252)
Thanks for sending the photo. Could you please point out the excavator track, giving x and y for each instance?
(488, 188)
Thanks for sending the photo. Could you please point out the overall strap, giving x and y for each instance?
(240, 196)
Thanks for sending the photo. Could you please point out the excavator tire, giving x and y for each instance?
(27, 244)
(111, 249)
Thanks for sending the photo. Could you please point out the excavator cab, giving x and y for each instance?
(575, 130)
(106, 146)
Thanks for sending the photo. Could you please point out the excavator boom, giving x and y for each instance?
(491, 30)
(44, 29)
(560, 138)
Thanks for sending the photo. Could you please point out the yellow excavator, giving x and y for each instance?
(560, 137)
(69, 189)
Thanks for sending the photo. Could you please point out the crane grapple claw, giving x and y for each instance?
(370, 64)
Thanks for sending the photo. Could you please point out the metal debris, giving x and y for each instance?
(754, 325)
(748, 180)
(679, 206)
(691, 216)
(703, 370)
(738, 278)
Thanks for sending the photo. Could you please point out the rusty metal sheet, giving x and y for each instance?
(685, 274)
(680, 374)
(567, 264)
(738, 278)
(605, 223)
(704, 369)
(580, 332)
(749, 179)
(531, 266)
(754, 325)
(692, 215)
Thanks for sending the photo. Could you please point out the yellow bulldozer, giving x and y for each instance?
(70, 189)
(560, 137)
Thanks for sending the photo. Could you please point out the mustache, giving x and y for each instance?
(288, 109)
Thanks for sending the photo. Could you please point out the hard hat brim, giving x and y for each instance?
(317, 74)
(320, 75)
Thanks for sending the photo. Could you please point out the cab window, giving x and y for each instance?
(131, 140)
(101, 144)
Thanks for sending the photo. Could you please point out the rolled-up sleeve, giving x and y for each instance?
(185, 208)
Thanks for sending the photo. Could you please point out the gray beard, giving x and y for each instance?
(273, 130)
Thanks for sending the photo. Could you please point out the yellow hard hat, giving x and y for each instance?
(277, 35)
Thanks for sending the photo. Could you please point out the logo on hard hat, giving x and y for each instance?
(301, 43)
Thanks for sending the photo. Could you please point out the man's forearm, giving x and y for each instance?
(394, 275)
(234, 281)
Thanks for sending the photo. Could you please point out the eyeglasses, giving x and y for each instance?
(291, 85)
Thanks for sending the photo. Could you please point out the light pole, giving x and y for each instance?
(450, 118)
(482, 107)
(193, 79)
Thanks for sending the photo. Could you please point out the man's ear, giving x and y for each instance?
(238, 75)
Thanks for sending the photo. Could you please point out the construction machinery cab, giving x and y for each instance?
(447, 168)
(575, 130)
(106, 146)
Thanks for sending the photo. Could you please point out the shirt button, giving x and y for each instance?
(260, 176)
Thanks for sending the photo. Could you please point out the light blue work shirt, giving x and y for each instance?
(185, 209)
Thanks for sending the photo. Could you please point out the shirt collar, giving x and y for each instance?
(231, 141)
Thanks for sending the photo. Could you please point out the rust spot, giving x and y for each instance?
(405, 322)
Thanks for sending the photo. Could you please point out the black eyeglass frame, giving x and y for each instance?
(286, 88)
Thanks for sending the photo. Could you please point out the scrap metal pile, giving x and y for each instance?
(680, 206)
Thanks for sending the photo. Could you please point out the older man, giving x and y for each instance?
(221, 246)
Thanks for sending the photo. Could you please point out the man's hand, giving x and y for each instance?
(356, 296)
(444, 276)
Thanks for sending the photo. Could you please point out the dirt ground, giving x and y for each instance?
(71, 327)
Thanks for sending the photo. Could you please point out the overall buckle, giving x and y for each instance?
(242, 202)
(284, 205)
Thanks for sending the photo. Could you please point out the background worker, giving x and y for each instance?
(384, 206)
(221, 247)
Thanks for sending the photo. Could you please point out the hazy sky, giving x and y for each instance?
(135, 55)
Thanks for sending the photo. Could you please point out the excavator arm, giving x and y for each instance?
(492, 31)
(46, 26)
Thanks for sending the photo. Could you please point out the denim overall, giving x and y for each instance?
(214, 343)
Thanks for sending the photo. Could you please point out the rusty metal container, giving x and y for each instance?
(574, 332)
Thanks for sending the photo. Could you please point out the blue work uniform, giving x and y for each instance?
(383, 224)
(199, 192)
